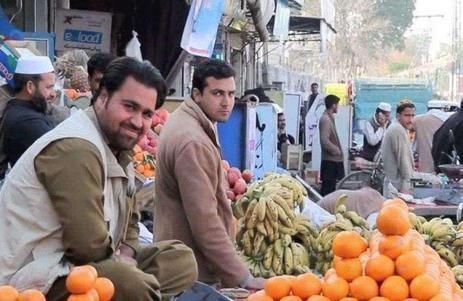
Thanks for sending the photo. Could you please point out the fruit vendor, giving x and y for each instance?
(25, 118)
(69, 200)
(191, 203)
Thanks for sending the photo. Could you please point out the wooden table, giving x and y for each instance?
(438, 209)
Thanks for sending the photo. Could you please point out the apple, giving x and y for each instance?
(247, 175)
(240, 187)
(232, 177)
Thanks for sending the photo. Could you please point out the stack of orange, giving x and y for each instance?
(396, 265)
(144, 162)
(9, 293)
(84, 285)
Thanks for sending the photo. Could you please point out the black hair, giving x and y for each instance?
(98, 62)
(143, 72)
(404, 105)
(20, 80)
(313, 84)
(211, 68)
(331, 100)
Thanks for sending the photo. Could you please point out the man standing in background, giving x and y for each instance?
(332, 166)
(374, 130)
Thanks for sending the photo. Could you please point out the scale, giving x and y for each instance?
(451, 192)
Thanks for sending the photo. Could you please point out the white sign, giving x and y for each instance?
(82, 29)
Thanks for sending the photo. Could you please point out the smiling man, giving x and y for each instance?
(191, 203)
(69, 200)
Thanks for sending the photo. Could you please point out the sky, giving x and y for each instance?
(440, 27)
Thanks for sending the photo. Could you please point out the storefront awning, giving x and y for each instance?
(300, 25)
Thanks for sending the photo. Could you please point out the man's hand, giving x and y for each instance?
(125, 254)
(255, 283)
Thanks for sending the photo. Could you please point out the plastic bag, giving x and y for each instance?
(133, 47)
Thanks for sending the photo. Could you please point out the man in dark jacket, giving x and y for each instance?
(441, 145)
(25, 118)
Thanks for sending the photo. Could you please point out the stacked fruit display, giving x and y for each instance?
(9, 293)
(144, 162)
(237, 181)
(84, 284)
(395, 265)
(270, 230)
(159, 118)
(345, 221)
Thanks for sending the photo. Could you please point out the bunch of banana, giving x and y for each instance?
(417, 222)
(458, 271)
(352, 216)
(439, 230)
(445, 253)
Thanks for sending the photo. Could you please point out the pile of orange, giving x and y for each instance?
(9, 293)
(395, 265)
(84, 285)
(144, 162)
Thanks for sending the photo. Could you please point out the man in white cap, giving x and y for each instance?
(374, 130)
(25, 119)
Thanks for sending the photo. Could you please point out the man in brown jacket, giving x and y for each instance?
(332, 167)
(191, 203)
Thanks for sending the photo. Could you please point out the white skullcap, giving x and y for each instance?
(384, 106)
(34, 65)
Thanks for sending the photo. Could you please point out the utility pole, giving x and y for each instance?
(456, 62)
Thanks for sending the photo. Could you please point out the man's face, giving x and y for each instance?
(314, 89)
(217, 99)
(387, 115)
(281, 122)
(335, 108)
(43, 91)
(406, 118)
(95, 80)
(125, 117)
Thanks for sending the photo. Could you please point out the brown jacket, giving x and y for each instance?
(329, 140)
(191, 203)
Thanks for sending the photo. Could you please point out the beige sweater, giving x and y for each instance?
(329, 140)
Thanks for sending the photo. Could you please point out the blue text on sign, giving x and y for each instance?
(82, 36)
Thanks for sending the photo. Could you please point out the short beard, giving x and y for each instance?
(39, 102)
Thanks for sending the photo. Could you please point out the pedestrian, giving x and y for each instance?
(96, 66)
(332, 166)
(69, 200)
(283, 136)
(191, 203)
(25, 118)
(397, 152)
(374, 130)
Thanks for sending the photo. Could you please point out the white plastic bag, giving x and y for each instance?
(133, 47)
(319, 216)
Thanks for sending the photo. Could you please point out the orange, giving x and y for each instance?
(291, 298)
(318, 298)
(397, 203)
(395, 288)
(8, 293)
(94, 294)
(31, 295)
(335, 288)
(259, 296)
(393, 246)
(379, 299)
(410, 299)
(393, 220)
(277, 287)
(379, 267)
(348, 269)
(349, 244)
(306, 285)
(364, 288)
(81, 279)
(423, 287)
(105, 288)
(137, 148)
(348, 299)
(139, 156)
(80, 297)
(410, 265)
(140, 168)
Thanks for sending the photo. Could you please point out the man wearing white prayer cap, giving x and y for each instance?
(25, 118)
(374, 130)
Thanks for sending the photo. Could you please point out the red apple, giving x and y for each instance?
(230, 195)
(240, 187)
(247, 175)
(232, 177)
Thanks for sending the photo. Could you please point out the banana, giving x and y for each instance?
(247, 244)
(448, 256)
(283, 217)
(282, 203)
(458, 242)
(262, 208)
(264, 272)
(260, 227)
(277, 264)
(278, 247)
(302, 220)
(287, 230)
(306, 241)
(250, 211)
(340, 205)
(270, 231)
(327, 239)
(288, 261)
(342, 223)
(356, 219)
(238, 211)
(268, 256)
(258, 240)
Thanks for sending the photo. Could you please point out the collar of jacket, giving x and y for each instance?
(329, 115)
(124, 157)
(192, 108)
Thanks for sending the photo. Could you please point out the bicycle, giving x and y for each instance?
(371, 176)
